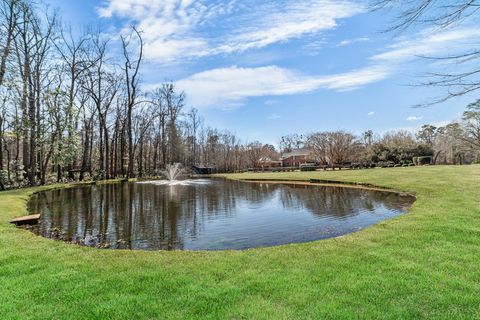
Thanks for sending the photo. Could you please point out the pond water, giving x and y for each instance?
(208, 214)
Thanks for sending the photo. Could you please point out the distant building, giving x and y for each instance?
(297, 157)
(268, 162)
(203, 170)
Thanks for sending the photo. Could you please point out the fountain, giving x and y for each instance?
(172, 174)
(172, 171)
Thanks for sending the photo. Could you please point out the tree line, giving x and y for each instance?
(72, 106)
(69, 108)
(457, 142)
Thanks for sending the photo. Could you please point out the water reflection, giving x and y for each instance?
(217, 215)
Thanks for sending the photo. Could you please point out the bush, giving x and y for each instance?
(397, 154)
(4, 178)
(86, 176)
(308, 168)
(421, 161)
(17, 174)
(98, 175)
(51, 178)
(386, 164)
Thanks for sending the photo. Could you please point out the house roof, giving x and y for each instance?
(268, 159)
(296, 152)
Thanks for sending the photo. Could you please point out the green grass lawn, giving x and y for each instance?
(425, 264)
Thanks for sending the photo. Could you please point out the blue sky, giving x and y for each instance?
(263, 69)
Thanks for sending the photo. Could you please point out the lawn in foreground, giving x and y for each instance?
(424, 264)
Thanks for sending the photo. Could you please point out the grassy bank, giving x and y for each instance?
(425, 264)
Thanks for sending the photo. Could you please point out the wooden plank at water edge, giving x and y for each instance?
(31, 219)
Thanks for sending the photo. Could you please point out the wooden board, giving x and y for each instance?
(33, 218)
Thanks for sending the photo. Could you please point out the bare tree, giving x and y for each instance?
(73, 53)
(66, 104)
(174, 102)
(333, 147)
(256, 151)
(8, 24)
(4, 100)
(131, 69)
(33, 44)
(102, 86)
(143, 120)
(427, 134)
(450, 145)
(88, 116)
(368, 138)
(291, 141)
(433, 12)
(318, 144)
(161, 113)
(471, 119)
(194, 121)
(465, 76)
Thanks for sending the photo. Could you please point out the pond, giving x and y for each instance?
(208, 214)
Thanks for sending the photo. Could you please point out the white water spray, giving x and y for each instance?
(172, 172)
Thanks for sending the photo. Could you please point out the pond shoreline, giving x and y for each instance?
(216, 214)
(421, 265)
(328, 183)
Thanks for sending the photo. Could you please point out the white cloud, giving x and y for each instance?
(351, 41)
(315, 47)
(166, 25)
(414, 118)
(274, 116)
(429, 43)
(270, 102)
(229, 87)
(274, 24)
(371, 113)
(177, 29)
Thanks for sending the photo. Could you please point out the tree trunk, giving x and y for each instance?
(8, 43)
(140, 159)
(122, 152)
(24, 128)
(131, 173)
(32, 121)
(2, 187)
(101, 149)
(114, 156)
(107, 153)
(1, 143)
(86, 150)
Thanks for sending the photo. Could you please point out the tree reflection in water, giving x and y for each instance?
(219, 215)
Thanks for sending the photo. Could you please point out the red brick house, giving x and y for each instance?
(297, 157)
(268, 162)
